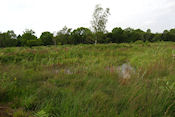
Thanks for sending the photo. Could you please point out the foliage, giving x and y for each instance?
(28, 38)
(83, 35)
(63, 36)
(8, 39)
(100, 19)
(117, 35)
(47, 38)
(36, 42)
(169, 35)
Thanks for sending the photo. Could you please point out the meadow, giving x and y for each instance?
(83, 81)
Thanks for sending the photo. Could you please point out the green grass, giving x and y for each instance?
(81, 80)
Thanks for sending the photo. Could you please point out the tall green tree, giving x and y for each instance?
(157, 37)
(171, 35)
(28, 38)
(29, 34)
(165, 36)
(148, 35)
(47, 38)
(82, 35)
(63, 36)
(117, 35)
(131, 35)
(8, 39)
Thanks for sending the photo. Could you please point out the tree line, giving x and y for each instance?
(84, 35)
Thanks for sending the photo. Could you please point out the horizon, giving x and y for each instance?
(53, 15)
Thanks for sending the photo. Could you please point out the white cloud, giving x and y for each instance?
(52, 15)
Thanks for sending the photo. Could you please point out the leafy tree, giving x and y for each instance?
(157, 37)
(47, 38)
(19, 40)
(138, 35)
(168, 35)
(165, 35)
(29, 35)
(82, 35)
(100, 37)
(117, 35)
(131, 35)
(108, 37)
(26, 36)
(8, 39)
(100, 18)
(128, 35)
(148, 36)
(63, 36)
(99, 21)
(171, 35)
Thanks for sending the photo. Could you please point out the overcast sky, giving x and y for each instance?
(53, 15)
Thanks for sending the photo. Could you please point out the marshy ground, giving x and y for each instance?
(83, 80)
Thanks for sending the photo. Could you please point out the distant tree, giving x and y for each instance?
(131, 35)
(138, 34)
(165, 36)
(1, 40)
(156, 37)
(19, 40)
(117, 35)
(63, 36)
(99, 21)
(100, 18)
(148, 35)
(100, 37)
(47, 38)
(171, 35)
(108, 37)
(27, 36)
(11, 34)
(82, 35)
(128, 35)
(148, 30)
(12, 38)
(8, 39)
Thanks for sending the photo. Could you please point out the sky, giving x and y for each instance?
(53, 15)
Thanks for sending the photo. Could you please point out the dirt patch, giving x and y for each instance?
(5, 111)
(125, 71)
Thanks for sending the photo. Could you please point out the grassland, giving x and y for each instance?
(82, 80)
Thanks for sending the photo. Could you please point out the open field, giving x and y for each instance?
(82, 80)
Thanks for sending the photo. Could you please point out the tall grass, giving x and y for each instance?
(82, 80)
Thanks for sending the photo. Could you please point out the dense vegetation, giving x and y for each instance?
(83, 36)
(82, 80)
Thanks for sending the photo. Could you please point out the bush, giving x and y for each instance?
(36, 42)
(139, 42)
